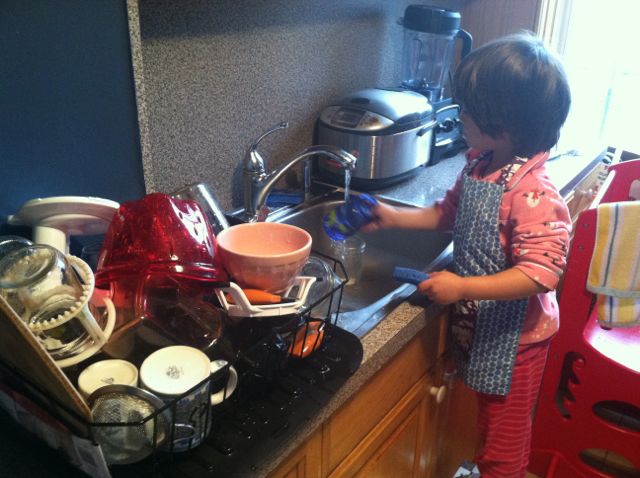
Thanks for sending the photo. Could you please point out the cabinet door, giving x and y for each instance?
(377, 400)
(456, 437)
(305, 462)
(398, 445)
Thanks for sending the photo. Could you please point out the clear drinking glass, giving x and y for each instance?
(91, 253)
(350, 252)
(326, 281)
(203, 194)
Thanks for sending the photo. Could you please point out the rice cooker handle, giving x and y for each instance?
(426, 128)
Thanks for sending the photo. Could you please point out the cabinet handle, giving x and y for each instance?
(439, 393)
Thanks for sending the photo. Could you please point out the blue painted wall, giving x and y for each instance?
(68, 119)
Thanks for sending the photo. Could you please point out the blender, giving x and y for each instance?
(430, 36)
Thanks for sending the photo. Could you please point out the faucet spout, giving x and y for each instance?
(258, 184)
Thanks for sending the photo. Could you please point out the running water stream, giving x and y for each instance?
(347, 183)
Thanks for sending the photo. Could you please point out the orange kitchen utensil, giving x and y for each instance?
(308, 339)
(258, 297)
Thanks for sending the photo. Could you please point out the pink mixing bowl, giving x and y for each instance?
(264, 255)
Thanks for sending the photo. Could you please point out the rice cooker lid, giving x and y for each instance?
(378, 111)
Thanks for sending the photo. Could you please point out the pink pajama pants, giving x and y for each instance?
(504, 422)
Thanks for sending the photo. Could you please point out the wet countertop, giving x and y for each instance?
(380, 343)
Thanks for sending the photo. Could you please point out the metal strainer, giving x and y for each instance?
(119, 426)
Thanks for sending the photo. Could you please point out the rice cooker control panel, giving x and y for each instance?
(354, 119)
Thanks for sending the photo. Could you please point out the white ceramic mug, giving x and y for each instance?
(171, 372)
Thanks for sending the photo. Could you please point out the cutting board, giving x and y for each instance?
(20, 350)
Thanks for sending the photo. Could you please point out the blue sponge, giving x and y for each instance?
(284, 197)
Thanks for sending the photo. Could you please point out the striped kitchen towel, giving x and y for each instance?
(614, 272)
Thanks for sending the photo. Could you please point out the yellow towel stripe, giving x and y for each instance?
(599, 258)
(618, 312)
(614, 272)
(615, 263)
(625, 252)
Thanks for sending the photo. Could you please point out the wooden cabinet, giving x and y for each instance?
(456, 437)
(480, 19)
(304, 462)
(404, 422)
(397, 445)
(382, 402)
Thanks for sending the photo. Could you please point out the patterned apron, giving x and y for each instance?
(486, 333)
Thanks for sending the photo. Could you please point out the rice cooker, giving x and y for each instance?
(389, 130)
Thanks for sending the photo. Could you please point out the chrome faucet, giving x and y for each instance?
(258, 183)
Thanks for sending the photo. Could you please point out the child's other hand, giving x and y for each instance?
(443, 287)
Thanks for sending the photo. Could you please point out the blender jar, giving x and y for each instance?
(429, 38)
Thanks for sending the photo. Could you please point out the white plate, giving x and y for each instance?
(173, 370)
(107, 372)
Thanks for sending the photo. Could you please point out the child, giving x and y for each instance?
(510, 233)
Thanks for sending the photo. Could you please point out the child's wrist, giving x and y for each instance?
(464, 287)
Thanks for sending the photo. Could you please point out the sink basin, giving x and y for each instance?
(376, 293)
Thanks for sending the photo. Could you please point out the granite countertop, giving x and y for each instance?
(380, 343)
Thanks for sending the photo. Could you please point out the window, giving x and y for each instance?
(600, 47)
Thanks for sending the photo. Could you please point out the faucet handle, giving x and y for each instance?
(253, 161)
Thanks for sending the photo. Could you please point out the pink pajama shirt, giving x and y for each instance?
(534, 225)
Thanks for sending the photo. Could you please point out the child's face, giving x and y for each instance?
(476, 139)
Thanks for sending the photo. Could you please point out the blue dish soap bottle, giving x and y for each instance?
(348, 217)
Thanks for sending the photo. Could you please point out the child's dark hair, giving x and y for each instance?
(514, 85)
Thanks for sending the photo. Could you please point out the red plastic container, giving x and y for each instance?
(159, 263)
(159, 234)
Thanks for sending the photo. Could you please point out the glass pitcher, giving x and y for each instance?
(430, 35)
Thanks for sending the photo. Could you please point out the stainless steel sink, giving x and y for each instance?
(365, 303)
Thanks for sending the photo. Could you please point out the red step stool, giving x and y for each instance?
(589, 404)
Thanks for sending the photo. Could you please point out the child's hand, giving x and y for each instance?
(384, 216)
(443, 287)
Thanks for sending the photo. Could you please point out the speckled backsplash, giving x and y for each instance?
(217, 73)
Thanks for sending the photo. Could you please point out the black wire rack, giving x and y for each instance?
(288, 369)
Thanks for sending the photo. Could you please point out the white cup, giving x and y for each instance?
(170, 373)
(107, 372)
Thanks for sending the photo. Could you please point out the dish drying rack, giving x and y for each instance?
(241, 306)
(287, 371)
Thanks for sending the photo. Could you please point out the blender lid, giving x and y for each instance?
(428, 19)
(400, 106)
